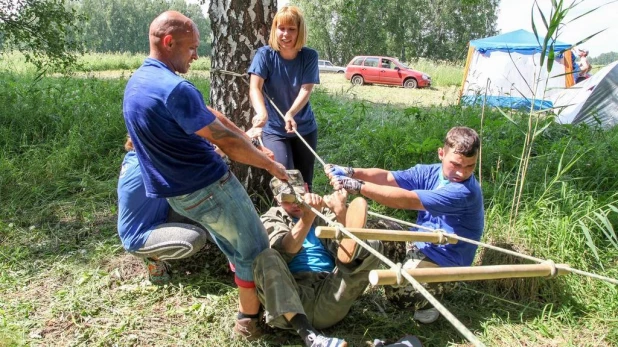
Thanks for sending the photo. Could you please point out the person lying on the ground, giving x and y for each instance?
(148, 228)
(447, 196)
(305, 283)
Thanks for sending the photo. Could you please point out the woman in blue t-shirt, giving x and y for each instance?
(286, 71)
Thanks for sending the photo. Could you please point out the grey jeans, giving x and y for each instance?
(172, 241)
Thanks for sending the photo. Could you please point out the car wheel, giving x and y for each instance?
(358, 80)
(340, 71)
(410, 83)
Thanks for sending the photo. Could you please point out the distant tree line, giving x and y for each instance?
(406, 29)
(604, 58)
(54, 30)
(122, 25)
(51, 33)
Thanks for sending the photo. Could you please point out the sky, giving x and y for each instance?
(515, 14)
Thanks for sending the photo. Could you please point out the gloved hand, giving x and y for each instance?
(351, 185)
(336, 170)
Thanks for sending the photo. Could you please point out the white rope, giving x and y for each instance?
(447, 314)
(430, 298)
(498, 249)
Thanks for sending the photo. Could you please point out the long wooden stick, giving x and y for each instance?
(387, 235)
(473, 273)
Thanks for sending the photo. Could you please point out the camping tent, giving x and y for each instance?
(506, 68)
(592, 101)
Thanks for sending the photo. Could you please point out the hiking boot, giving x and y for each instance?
(158, 271)
(427, 316)
(248, 328)
(323, 341)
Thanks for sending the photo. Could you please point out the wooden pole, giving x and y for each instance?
(387, 235)
(472, 273)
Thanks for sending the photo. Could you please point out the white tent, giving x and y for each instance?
(593, 101)
(505, 71)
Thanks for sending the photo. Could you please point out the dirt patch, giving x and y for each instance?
(209, 258)
(125, 267)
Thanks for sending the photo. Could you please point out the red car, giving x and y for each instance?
(384, 70)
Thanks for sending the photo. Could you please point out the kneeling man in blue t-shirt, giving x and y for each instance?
(447, 196)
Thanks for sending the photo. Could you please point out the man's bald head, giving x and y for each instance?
(174, 39)
(170, 23)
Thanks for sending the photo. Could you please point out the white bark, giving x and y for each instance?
(239, 28)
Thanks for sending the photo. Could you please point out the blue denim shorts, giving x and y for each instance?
(224, 208)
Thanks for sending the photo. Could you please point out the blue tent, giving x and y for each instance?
(505, 71)
(516, 41)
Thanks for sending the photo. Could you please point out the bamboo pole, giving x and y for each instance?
(472, 273)
(387, 235)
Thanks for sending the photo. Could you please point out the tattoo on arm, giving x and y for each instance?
(219, 131)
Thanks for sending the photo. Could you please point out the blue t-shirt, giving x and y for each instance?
(282, 81)
(313, 256)
(455, 207)
(162, 112)
(137, 214)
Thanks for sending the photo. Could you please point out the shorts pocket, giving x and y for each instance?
(201, 206)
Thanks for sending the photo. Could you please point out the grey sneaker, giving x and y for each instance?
(323, 341)
(427, 316)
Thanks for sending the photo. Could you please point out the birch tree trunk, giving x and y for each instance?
(239, 28)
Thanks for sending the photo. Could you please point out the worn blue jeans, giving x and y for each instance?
(225, 210)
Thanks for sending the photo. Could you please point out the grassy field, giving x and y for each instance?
(65, 279)
(337, 85)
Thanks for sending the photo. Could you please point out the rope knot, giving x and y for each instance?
(441, 237)
(338, 233)
(398, 268)
(553, 272)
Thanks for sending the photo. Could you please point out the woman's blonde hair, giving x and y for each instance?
(289, 15)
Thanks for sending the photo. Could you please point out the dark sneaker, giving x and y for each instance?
(158, 271)
(323, 341)
(248, 328)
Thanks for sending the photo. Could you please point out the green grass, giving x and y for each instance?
(92, 62)
(65, 280)
(443, 73)
(125, 61)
